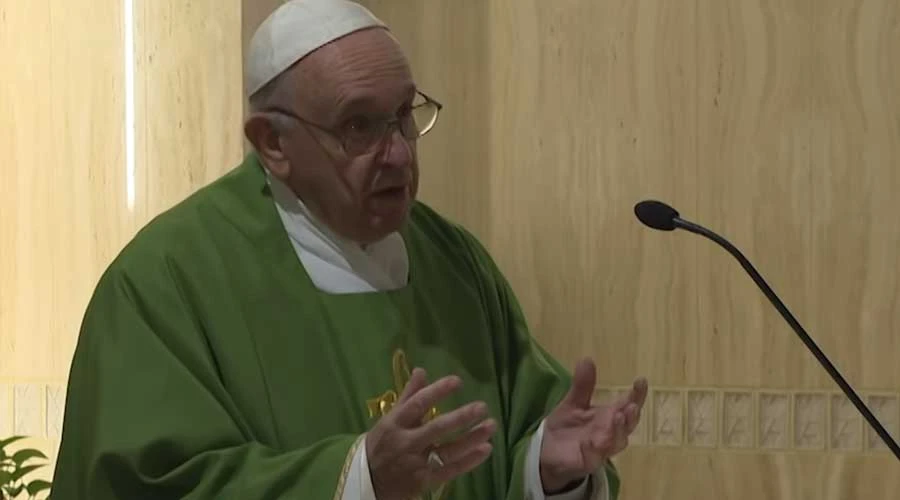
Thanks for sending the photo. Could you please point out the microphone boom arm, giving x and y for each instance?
(820, 356)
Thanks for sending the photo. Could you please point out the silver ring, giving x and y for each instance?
(434, 459)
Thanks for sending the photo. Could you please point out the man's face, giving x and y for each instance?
(346, 87)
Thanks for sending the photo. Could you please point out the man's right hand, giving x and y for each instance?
(398, 446)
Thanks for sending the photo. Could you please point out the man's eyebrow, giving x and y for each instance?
(355, 101)
(366, 100)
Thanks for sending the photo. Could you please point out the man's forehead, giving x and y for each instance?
(298, 28)
(366, 69)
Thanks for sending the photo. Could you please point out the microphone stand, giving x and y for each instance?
(823, 360)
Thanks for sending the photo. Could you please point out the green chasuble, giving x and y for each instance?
(209, 366)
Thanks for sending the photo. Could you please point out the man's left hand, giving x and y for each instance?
(579, 436)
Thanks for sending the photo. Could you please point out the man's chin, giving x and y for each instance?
(380, 226)
(389, 223)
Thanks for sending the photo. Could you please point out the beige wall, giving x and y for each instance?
(774, 123)
(65, 206)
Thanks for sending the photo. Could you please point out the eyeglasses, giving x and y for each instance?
(363, 134)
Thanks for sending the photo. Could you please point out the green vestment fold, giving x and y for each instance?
(209, 366)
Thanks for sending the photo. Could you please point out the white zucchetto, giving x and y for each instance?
(297, 28)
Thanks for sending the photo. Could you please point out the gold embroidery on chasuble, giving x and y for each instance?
(345, 471)
(381, 405)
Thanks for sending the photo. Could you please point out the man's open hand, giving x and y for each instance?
(579, 436)
(399, 445)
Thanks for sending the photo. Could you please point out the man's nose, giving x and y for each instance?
(396, 148)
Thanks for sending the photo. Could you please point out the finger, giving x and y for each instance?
(412, 411)
(583, 381)
(632, 417)
(607, 432)
(620, 433)
(457, 450)
(457, 420)
(619, 422)
(475, 457)
(417, 381)
(591, 455)
(638, 394)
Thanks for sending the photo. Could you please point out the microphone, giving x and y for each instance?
(658, 215)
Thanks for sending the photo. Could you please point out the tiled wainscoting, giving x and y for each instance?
(728, 418)
(32, 409)
(762, 420)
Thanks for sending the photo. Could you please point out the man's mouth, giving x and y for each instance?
(391, 200)
(391, 191)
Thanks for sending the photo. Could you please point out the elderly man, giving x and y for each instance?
(303, 328)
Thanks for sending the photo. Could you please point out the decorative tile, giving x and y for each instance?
(6, 413)
(810, 417)
(56, 402)
(701, 418)
(773, 430)
(886, 409)
(667, 418)
(737, 419)
(28, 410)
(845, 430)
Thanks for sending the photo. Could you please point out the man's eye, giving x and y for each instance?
(358, 125)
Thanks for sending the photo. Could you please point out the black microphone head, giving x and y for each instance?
(656, 214)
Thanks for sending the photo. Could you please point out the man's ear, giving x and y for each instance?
(263, 133)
